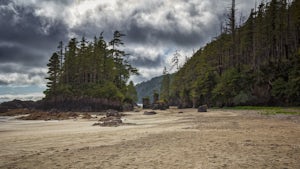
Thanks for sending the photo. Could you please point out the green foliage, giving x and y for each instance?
(280, 112)
(233, 88)
(269, 110)
(131, 94)
(53, 78)
(256, 63)
(165, 86)
(110, 90)
(91, 70)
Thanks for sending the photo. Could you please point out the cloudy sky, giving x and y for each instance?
(31, 29)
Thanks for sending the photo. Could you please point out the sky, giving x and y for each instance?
(31, 29)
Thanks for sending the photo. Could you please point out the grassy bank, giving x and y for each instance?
(269, 110)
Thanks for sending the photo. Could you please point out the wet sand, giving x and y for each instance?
(216, 139)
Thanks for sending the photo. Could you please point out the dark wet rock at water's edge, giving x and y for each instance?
(60, 104)
(17, 104)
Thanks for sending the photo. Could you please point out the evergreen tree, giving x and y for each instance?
(90, 70)
(253, 63)
(131, 93)
(165, 86)
(53, 78)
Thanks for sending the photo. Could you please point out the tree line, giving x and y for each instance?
(255, 63)
(97, 69)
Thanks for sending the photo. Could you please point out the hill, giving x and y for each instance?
(145, 89)
(256, 63)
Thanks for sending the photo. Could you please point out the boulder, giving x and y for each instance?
(150, 113)
(113, 113)
(202, 108)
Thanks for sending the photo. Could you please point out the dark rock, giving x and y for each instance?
(150, 113)
(3, 109)
(146, 103)
(18, 104)
(160, 106)
(202, 108)
(54, 111)
(78, 104)
(155, 97)
(110, 121)
(96, 124)
(180, 112)
(155, 107)
(87, 116)
(127, 107)
(113, 113)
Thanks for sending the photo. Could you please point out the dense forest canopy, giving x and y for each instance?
(91, 70)
(257, 63)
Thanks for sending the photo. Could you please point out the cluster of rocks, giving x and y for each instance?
(112, 118)
(50, 115)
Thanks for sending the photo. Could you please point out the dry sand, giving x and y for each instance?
(216, 139)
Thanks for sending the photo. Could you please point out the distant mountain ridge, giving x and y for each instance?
(145, 89)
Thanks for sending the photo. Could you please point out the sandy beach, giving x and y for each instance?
(215, 139)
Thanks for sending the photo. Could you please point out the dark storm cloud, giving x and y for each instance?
(163, 25)
(22, 55)
(26, 42)
(3, 83)
(19, 24)
(173, 34)
(31, 30)
(171, 27)
(144, 62)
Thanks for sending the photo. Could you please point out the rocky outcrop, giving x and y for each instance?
(110, 121)
(83, 104)
(160, 106)
(112, 118)
(146, 103)
(17, 104)
(112, 113)
(202, 108)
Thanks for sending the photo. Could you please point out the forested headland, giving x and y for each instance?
(256, 63)
(90, 76)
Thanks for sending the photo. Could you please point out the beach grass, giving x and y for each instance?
(265, 110)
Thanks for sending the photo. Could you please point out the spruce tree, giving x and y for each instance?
(53, 72)
(165, 86)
